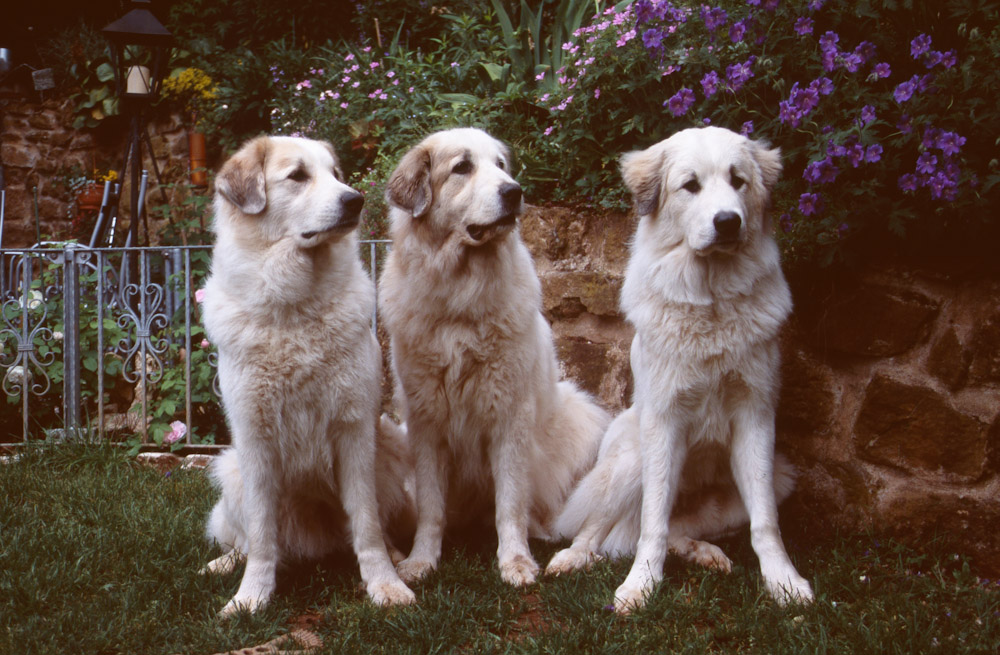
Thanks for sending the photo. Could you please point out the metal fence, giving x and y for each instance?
(107, 344)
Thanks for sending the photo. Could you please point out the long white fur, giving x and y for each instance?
(476, 370)
(288, 305)
(700, 434)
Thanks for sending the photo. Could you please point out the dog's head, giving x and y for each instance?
(458, 182)
(704, 188)
(287, 188)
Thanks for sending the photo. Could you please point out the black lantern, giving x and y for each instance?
(140, 53)
(140, 47)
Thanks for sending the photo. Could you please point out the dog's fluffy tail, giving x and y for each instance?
(608, 501)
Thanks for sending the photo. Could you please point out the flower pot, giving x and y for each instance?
(88, 198)
(198, 158)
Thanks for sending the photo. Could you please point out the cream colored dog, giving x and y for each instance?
(705, 292)
(476, 370)
(289, 306)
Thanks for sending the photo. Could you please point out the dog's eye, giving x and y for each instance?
(737, 182)
(463, 167)
(298, 175)
(692, 186)
(501, 165)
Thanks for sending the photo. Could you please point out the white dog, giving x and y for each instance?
(473, 356)
(705, 292)
(289, 306)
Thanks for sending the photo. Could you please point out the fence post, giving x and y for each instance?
(71, 340)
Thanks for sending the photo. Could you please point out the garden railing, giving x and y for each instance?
(107, 344)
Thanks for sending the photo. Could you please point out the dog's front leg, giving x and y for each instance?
(664, 447)
(259, 497)
(432, 480)
(512, 489)
(752, 462)
(356, 472)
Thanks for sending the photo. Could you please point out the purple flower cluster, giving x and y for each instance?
(801, 101)
(714, 17)
(680, 102)
(939, 174)
(920, 49)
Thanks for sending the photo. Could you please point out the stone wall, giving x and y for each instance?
(891, 383)
(39, 148)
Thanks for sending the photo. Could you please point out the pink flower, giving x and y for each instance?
(199, 296)
(177, 432)
(205, 343)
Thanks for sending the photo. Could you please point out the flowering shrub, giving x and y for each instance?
(875, 128)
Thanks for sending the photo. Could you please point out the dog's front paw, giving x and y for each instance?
(413, 570)
(789, 589)
(571, 559)
(520, 570)
(238, 604)
(629, 597)
(391, 592)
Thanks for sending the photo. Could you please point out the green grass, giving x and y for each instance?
(98, 555)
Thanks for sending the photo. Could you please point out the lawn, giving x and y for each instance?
(100, 555)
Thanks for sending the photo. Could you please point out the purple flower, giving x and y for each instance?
(738, 74)
(737, 31)
(882, 70)
(874, 153)
(930, 139)
(681, 102)
(852, 62)
(933, 58)
(823, 85)
(908, 182)
(786, 223)
(770, 5)
(905, 124)
(867, 114)
(810, 203)
(821, 172)
(856, 154)
(926, 163)
(747, 128)
(714, 17)
(829, 41)
(905, 91)
(803, 26)
(865, 50)
(950, 143)
(710, 83)
(920, 45)
(653, 39)
(949, 59)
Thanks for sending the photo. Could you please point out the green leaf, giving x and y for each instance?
(105, 72)
(495, 71)
(459, 98)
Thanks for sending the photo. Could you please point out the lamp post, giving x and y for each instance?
(140, 50)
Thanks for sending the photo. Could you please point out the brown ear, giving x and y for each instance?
(769, 162)
(409, 186)
(241, 180)
(643, 176)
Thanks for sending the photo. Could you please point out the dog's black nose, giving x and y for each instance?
(352, 203)
(727, 225)
(510, 194)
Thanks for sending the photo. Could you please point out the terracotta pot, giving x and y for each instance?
(88, 198)
(198, 158)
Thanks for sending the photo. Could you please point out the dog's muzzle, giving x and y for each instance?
(350, 215)
(510, 206)
(727, 228)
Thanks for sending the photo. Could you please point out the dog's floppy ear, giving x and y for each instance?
(409, 186)
(769, 162)
(643, 176)
(241, 180)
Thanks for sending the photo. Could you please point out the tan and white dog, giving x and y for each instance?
(706, 294)
(475, 366)
(289, 307)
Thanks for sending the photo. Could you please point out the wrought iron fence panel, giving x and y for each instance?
(107, 343)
